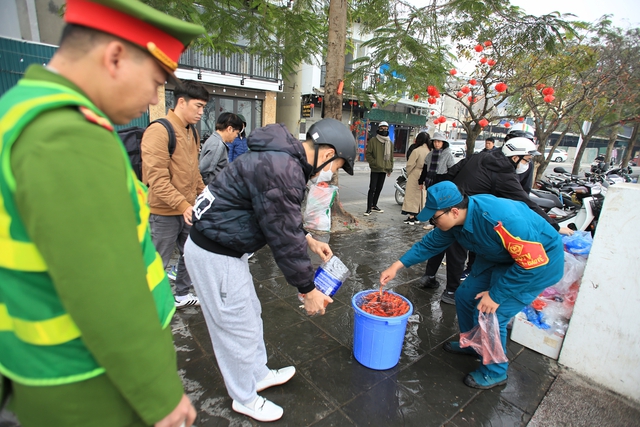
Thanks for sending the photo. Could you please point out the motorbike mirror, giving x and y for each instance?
(559, 169)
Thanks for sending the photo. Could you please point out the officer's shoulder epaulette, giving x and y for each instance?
(94, 118)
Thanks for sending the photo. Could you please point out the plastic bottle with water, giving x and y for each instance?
(329, 277)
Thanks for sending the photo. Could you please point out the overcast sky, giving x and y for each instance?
(626, 13)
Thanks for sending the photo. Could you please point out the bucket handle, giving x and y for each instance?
(394, 322)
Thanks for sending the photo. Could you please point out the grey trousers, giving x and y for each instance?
(232, 311)
(167, 232)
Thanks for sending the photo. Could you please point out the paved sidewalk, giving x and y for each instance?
(425, 389)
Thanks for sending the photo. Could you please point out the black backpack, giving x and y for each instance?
(132, 138)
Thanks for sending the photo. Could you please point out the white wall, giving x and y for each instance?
(603, 339)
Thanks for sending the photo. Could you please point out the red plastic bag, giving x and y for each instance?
(485, 339)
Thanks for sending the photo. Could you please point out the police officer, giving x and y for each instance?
(84, 300)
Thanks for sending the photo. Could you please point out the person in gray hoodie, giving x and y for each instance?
(437, 162)
(215, 152)
(253, 202)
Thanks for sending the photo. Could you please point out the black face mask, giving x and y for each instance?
(383, 132)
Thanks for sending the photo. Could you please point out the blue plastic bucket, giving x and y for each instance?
(377, 341)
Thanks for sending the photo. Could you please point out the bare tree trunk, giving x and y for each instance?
(612, 140)
(333, 84)
(542, 166)
(576, 163)
(335, 58)
(632, 143)
(288, 111)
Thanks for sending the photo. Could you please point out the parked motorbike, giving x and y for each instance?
(400, 186)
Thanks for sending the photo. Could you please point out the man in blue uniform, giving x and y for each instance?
(519, 254)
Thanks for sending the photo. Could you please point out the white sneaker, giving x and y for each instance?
(187, 300)
(276, 377)
(261, 409)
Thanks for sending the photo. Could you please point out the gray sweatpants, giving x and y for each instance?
(232, 311)
(167, 232)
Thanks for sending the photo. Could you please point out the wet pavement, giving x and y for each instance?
(331, 388)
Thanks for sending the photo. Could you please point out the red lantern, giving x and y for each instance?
(431, 100)
(453, 124)
(470, 98)
(442, 119)
(416, 96)
(488, 43)
(540, 86)
(431, 90)
(549, 98)
(319, 99)
(483, 60)
(507, 125)
(453, 71)
(548, 91)
(465, 89)
(311, 105)
(433, 113)
(521, 119)
(501, 87)
(375, 105)
(479, 48)
(459, 94)
(491, 62)
(483, 122)
(475, 99)
(473, 82)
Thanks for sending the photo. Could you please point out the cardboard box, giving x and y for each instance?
(540, 340)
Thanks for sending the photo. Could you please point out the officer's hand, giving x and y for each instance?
(389, 174)
(320, 248)
(183, 415)
(486, 305)
(187, 214)
(566, 231)
(315, 302)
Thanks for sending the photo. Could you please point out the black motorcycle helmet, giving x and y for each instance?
(334, 133)
(518, 133)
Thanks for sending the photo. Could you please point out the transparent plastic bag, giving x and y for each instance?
(485, 339)
(573, 271)
(579, 243)
(317, 212)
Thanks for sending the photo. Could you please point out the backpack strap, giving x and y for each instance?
(172, 133)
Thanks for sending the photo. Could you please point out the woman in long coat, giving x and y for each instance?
(414, 197)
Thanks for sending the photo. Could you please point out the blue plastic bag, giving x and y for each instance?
(579, 243)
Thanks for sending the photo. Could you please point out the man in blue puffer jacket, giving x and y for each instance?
(255, 201)
(519, 254)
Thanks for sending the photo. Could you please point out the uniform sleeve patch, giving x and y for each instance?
(94, 118)
(526, 254)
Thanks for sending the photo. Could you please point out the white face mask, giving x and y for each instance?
(522, 168)
(325, 175)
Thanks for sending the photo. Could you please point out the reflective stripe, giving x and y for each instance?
(155, 272)
(53, 331)
(22, 256)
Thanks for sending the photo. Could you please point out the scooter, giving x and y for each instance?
(400, 186)
(586, 218)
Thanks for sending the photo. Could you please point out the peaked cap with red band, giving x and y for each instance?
(163, 36)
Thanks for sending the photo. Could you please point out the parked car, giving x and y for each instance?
(458, 147)
(559, 155)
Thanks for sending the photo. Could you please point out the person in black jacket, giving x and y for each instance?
(256, 201)
(489, 172)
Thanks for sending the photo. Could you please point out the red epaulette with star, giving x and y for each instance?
(94, 118)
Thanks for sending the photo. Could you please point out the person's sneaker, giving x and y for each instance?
(429, 282)
(454, 347)
(376, 209)
(428, 227)
(448, 297)
(173, 273)
(276, 377)
(367, 213)
(261, 409)
(187, 300)
(409, 221)
(464, 274)
(482, 381)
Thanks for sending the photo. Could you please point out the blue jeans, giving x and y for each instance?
(467, 308)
